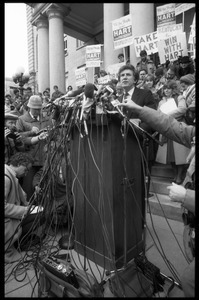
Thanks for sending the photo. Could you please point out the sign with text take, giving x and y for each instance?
(122, 32)
(172, 47)
(146, 42)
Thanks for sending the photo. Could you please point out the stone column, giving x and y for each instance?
(142, 23)
(112, 11)
(56, 49)
(43, 55)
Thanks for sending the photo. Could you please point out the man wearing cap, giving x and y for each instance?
(35, 118)
(186, 66)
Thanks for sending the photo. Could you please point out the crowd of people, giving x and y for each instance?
(161, 98)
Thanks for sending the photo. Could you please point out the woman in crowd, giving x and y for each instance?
(149, 84)
(171, 152)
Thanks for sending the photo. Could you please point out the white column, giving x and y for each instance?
(112, 11)
(43, 55)
(142, 23)
(56, 49)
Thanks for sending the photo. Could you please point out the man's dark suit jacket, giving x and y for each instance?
(145, 98)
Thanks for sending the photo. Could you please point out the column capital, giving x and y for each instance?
(55, 12)
(42, 23)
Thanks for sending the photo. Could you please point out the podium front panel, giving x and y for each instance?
(108, 189)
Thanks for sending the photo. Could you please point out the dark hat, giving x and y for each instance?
(10, 117)
(121, 54)
(189, 79)
(143, 52)
(185, 60)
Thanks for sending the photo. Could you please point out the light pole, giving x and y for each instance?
(21, 78)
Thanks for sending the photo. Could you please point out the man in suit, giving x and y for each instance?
(128, 77)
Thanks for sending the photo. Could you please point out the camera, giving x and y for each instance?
(12, 134)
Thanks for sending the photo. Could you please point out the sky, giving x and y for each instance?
(16, 47)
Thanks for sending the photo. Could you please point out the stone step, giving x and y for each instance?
(161, 205)
(159, 185)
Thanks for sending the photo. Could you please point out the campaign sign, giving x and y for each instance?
(122, 32)
(112, 70)
(146, 42)
(93, 56)
(80, 77)
(166, 31)
(172, 47)
(166, 14)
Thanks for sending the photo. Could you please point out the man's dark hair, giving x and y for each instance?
(120, 55)
(143, 70)
(29, 89)
(21, 158)
(129, 67)
(55, 86)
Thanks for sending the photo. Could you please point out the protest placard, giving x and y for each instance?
(80, 77)
(112, 70)
(166, 31)
(93, 56)
(172, 47)
(146, 42)
(166, 14)
(104, 79)
(122, 32)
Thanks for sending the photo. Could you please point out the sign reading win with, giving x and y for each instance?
(172, 47)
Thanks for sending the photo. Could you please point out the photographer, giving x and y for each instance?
(14, 140)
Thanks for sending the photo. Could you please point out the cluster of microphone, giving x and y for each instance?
(85, 97)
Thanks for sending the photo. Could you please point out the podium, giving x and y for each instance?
(108, 188)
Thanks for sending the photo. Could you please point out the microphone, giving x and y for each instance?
(87, 100)
(115, 103)
(109, 90)
(76, 92)
(89, 90)
(49, 105)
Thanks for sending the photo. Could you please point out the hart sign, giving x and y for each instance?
(93, 56)
(172, 47)
(146, 42)
(164, 32)
(80, 77)
(166, 14)
(122, 32)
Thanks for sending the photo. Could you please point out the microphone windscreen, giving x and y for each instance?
(75, 93)
(89, 90)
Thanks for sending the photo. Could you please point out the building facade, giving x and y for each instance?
(59, 32)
